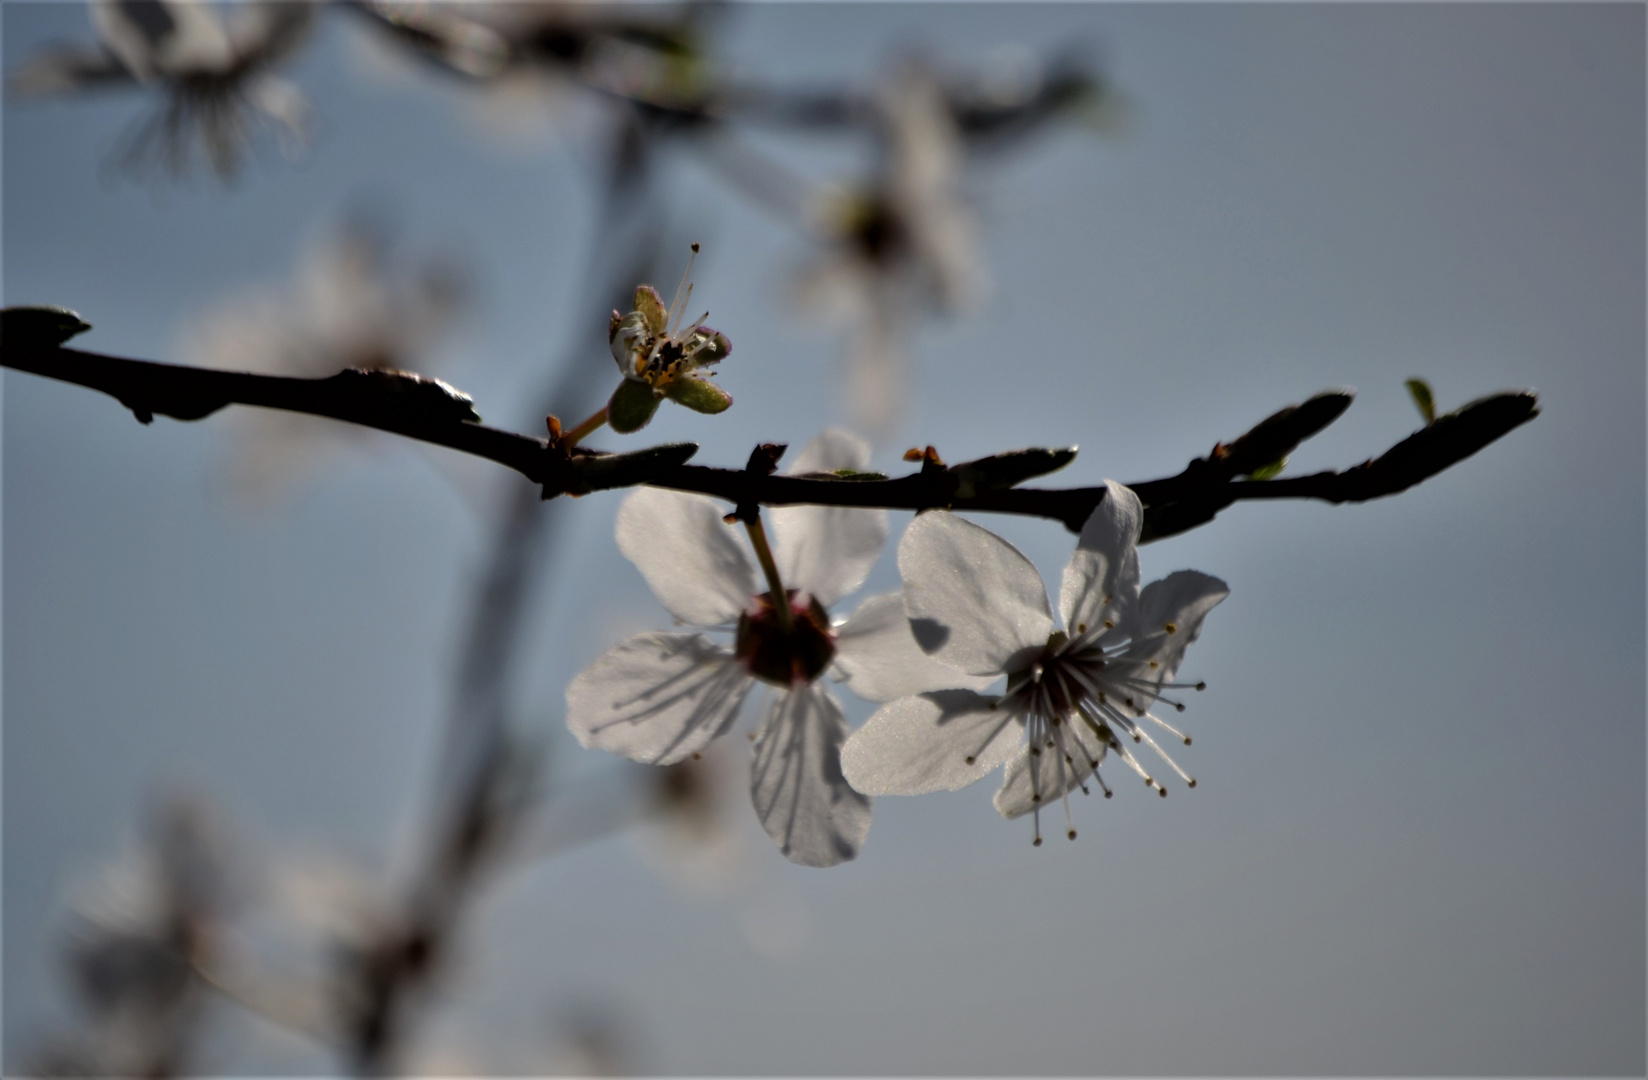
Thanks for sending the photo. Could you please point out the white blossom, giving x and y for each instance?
(660, 698)
(1072, 696)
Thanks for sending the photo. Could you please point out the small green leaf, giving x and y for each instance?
(651, 307)
(699, 395)
(1270, 471)
(1420, 391)
(632, 405)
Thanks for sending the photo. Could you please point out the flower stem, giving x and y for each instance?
(763, 555)
(583, 430)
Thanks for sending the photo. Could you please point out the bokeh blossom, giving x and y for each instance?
(660, 698)
(1072, 696)
(346, 306)
(213, 67)
(899, 246)
(143, 925)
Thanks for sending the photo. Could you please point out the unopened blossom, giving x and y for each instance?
(658, 358)
(660, 698)
(213, 65)
(1072, 696)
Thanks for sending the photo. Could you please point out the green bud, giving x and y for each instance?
(1420, 391)
(1270, 471)
(631, 407)
(699, 395)
(651, 307)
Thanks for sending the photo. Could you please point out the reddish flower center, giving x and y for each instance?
(782, 658)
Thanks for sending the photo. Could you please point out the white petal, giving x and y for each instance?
(827, 550)
(934, 742)
(657, 698)
(690, 557)
(1180, 600)
(974, 600)
(165, 38)
(1102, 578)
(803, 801)
(881, 660)
(626, 342)
(832, 449)
(1041, 780)
(283, 103)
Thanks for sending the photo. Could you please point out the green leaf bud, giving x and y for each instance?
(1420, 391)
(1269, 471)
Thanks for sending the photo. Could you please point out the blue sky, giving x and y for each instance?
(1417, 845)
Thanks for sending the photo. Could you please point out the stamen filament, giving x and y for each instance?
(1008, 717)
(1174, 765)
(678, 301)
(1169, 727)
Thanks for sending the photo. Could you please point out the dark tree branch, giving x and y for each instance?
(433, 412)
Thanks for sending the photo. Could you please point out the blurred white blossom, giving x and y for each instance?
(530, 68)
(900, 246)
(213, 66)
(344, 308)
(141, 926)
(693, 833)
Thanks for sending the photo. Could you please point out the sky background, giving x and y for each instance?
(1417, 845)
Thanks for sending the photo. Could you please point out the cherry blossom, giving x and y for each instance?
(1072, 696)
(658, 358)
(660, 698)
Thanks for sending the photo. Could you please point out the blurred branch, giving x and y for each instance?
(568, 42)
(488, 778)
(433, 412)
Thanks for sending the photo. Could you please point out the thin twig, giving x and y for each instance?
(425, 409)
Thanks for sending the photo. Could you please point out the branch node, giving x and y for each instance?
(763, 462)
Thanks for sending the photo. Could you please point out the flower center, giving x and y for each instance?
(664, 362)
(1046, 685)
(785, 659)
(1080, 701)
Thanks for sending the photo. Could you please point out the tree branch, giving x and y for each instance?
(433, 412)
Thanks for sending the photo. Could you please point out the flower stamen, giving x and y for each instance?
(678, 302)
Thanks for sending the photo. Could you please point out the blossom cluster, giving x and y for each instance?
(965, 661)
